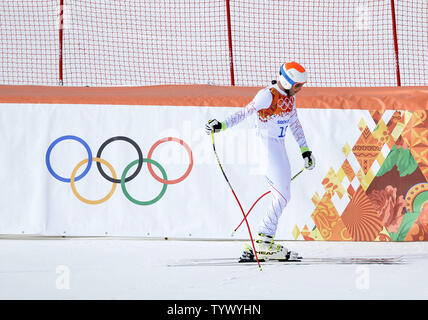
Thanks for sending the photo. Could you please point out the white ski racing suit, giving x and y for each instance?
(276, 111)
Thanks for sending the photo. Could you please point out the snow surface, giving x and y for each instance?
(106, 268)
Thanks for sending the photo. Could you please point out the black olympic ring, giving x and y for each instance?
(140, 158)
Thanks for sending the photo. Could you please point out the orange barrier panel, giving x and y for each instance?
(381, 98)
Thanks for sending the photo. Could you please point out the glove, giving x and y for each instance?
(309, 160)
(213, 126)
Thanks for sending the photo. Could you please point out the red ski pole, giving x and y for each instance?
(237, 200)
(234, 231)
(248, 213)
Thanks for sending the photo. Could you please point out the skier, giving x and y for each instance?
(275, 106)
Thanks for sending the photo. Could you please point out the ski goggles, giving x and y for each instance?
(298, 85)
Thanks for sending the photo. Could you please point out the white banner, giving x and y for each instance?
(49, 189)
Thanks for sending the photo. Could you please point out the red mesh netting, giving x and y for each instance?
(220, 42)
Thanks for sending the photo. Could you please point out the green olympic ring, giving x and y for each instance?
(126, 193)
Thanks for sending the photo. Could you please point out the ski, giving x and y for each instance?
(271, 260)
(301, 261)
(248, 256)
(335, 260)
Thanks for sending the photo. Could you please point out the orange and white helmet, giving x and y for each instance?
(292, 73)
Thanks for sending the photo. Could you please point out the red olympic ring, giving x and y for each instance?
(184, 176)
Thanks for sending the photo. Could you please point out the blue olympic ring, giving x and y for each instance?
(48, 155)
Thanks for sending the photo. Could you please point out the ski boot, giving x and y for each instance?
(267, 249)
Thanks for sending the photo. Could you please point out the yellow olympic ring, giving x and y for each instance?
(73, 186)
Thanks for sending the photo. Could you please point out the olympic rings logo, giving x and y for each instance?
(114, 178)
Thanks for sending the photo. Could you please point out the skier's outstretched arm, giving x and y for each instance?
(262, 100)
